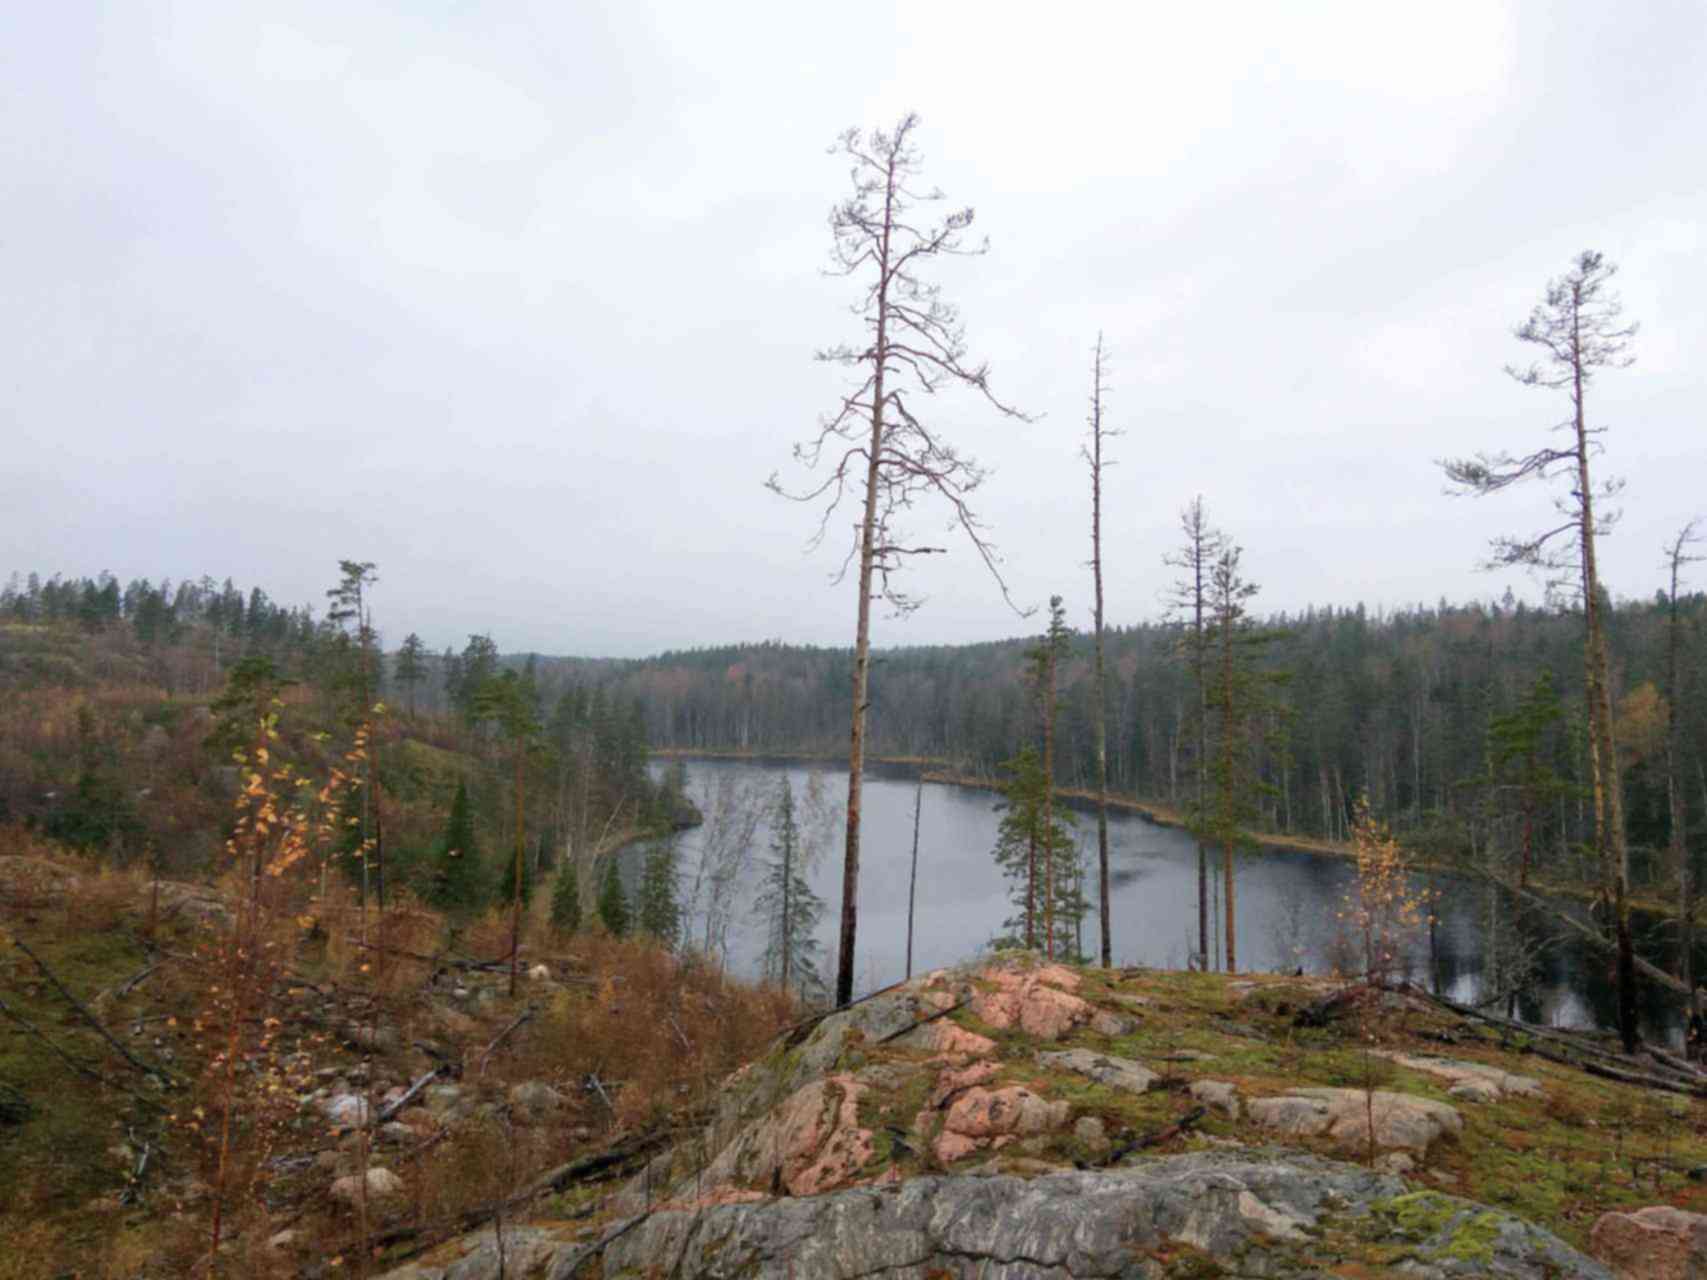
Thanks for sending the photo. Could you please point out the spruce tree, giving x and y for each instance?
(613, 906)
(657, 906)
(790, 909)
(459, 880)
(566, 900)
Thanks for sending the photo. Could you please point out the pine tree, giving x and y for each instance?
(459, 881)
(1241, 707)
(657, 905)
(410, 667)
(1579, 326)
(1045, 659)
(790, 909)
(879, 448)
(1023, 845)
(566, 900)
(613, 906)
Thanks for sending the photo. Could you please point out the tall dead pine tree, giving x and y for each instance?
(876, 445)
(1189, 599)
(1093, 455)
(1677, 555)
(1578, 328)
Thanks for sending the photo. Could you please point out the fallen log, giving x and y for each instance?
(166, 1078)
(390, 1109)
(1587, 932)
(599, 1167)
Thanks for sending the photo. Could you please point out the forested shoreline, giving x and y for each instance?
(1416, 707)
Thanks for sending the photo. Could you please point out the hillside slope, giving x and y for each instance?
(1016, 1118)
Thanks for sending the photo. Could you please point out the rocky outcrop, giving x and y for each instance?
(811, 1142)
(1657, 1243)
(1347, 1116)
(1116, 1073)
(926, 1134)
(1273, 1214)
(1037, 1001)
(994, 1117)
(1471, 1081)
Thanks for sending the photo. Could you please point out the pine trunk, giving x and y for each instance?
(1603, 756)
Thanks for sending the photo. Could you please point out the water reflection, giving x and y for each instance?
(1288, 905)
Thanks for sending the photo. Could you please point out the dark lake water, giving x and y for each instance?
(1288, 903)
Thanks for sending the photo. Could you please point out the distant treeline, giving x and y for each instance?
(1413, 707)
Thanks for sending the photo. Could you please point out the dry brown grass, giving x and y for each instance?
(658, 1030)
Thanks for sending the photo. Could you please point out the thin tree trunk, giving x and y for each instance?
(1203, 950)
(862, 626)
(1674, 788)
(787, 903)
(1226, 798)
(1049, 806)
(1100, 688)
(1603, 757)
(516, 907)
(913, 878)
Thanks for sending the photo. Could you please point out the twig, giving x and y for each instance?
(526, 1015)
(925, 1022)
(166, 1079)
(1187, 1121)
(597, 1084)
(131, 984)
(134, 1190)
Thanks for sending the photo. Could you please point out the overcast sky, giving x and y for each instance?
(519, 300)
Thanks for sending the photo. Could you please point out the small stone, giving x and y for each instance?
(396, 1133)
(373, 1038)
(442, 1098)
(533, 1101)
(1217, 1095)
(1396, 1162)
(539, 973)
(286, 1239)
(347, 1110)
(418, 1120)
(1474, 1091)
(1112, 1025)
(1091, 1134)
(380, 1184)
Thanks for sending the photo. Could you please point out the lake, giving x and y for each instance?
(1288, 902)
